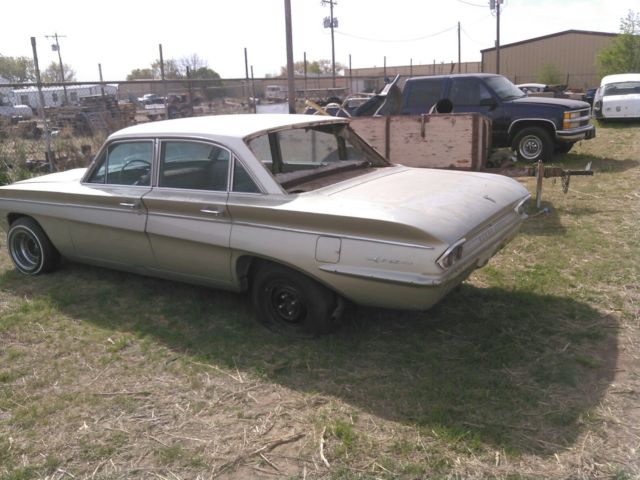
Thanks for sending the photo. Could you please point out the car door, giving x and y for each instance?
(107, 226)
(188, 223)
(469, 94)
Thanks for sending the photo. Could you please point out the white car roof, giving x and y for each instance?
(217, 126)
(620, 77)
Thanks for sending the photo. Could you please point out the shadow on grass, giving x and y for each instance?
(598, 164)
(544, 222)
(486, 367)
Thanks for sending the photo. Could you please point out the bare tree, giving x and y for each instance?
(193, 61)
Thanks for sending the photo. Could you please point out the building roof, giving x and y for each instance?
(544, 37)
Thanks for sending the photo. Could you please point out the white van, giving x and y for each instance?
(275, 92)
(618, 97)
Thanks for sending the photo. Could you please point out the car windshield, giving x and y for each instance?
(621, 88)
(504, 88)
(304, 159)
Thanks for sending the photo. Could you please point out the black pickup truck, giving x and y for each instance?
(534, 127)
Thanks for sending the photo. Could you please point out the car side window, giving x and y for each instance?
(242, 181)
(193, 165)
(424, 94)
(468, 91)
(125, 163)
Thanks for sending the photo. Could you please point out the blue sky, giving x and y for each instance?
(122, 35)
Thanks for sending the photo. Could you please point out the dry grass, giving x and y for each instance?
(530, 370)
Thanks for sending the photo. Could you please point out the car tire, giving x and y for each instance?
(532, 144)
(30, 249)
(291, 303)
(564, 147)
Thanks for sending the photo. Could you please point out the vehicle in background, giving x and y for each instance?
(533, 87)
(618, 97)
(589, 95)
(275, 92)
(17, 112)
(534, 127)
(151, 99)
(298, 210)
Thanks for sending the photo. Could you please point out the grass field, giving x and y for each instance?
(530, 370)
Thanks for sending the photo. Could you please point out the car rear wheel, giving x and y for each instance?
(289, 302)
(31, 251)
(532, 144)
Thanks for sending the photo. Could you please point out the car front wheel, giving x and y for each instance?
(31, 251)
(532, 144)
(289, 302)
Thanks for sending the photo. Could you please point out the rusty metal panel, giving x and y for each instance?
(456, 141)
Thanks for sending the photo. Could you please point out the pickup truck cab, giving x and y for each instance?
(534, 127)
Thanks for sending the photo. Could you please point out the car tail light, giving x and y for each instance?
(522, 207)
(451, 255)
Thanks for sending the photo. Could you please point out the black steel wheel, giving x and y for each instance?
(532, 144)
(289, 302)
(30, 249)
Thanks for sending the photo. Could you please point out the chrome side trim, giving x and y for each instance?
(73, 205)
(384, 276)
(520, 120)
(348, 237)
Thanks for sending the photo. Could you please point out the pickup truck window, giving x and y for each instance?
(468, 91)
(504, 89)
(424, 93)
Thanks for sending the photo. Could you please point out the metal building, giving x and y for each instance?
(572, 54)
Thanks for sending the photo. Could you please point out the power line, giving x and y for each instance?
(399, 41)
(472, 4)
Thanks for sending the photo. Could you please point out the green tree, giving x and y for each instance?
(212, 88)
(315, 67)
(550, 75)
(52, 73)
(140, 74)
(623, 54)
(17, 69)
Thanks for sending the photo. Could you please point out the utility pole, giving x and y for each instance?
(43, 112)
(56, 48)
(459, 62)
(290, 79)
(101, 80)
(331, 22)
(495, 5)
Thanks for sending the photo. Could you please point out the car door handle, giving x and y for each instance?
(215, 211)
(131, 205)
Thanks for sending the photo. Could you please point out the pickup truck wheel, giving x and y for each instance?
(532, 143)
(291, 303)
(31, 251)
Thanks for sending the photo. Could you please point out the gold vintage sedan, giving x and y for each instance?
(296, 209)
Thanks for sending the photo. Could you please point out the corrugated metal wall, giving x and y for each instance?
(572, 53)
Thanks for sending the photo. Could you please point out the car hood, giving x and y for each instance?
(443, 205)
(559, 102)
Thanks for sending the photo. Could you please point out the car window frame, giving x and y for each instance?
(96, 163)
(159, 143)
